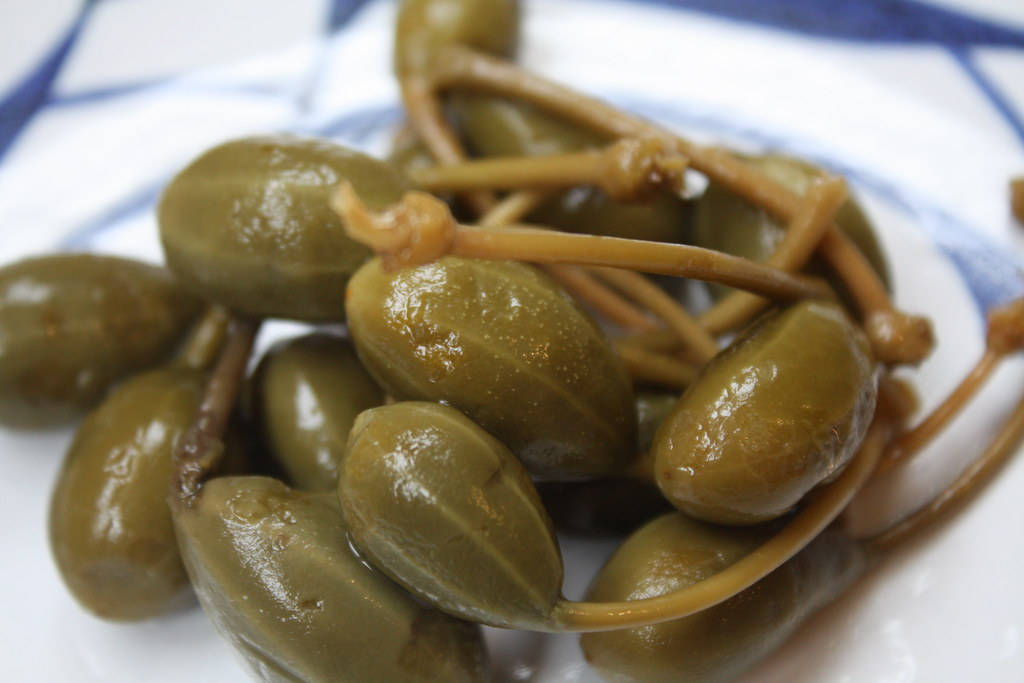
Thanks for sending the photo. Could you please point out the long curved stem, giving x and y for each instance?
(424, 111)
(909, 443)
(576, 280)
(525, 243)
(1005, 335)
(816, 514)
(896, 336)
(585, 288)
(966, 486)
(512, 209)
(654, 368)
(421, 229)
(805, 232)
(661, 340)
(694, 337)
(628, 169)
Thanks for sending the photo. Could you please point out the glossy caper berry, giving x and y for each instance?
(310, 390)
(425, 26)
(507, 347)
(73, 324)
(781, 410)
(717, 644)
(494, 126)
(446, 510)
(110, 527)
(274, 571)
(248, 224)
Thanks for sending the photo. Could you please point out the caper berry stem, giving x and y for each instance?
(911, 442)
(1005, 336)
(463, 68)
(1017, 198)
(578, 281)
(822, 507)
(694, 337)
(964, 489)
(526, 243)
(804, 233)
(627, 170)
(896, 337)
(656, 368)
(201, 448)
(512, 208)
(421, 229)
(586, 288)
(206, 339)
(424, 110)
(661, 340)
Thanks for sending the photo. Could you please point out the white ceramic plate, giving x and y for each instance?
(948, 608)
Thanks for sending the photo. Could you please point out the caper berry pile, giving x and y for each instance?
(489, 366)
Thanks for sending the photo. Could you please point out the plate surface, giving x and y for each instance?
(924, 125)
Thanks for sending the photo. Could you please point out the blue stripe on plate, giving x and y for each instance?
(878, 21)
(339, 14)
(996, 99)
(19, 105)
(892, 21)
(342, 11)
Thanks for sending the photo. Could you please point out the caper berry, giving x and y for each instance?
(446, 510)
(73, 324)
(484, 336)
(310, 390)
(110, 527)
(717, 644)
(781, 410)
(273, 570)
(248, 225)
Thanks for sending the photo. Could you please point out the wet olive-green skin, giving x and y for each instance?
(73, 324)
(720, 643)
(725, 222)
(248, 224)
(425, 26)
(502, 127)
(310, 390)
(489, 336)
(495, 127)
(110, 527)
(781, 410)
(446, 510)
(276, 574)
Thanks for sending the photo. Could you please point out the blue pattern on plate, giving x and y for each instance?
(19, 105)
(891, 21)
(342, 12)
(989, 274)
